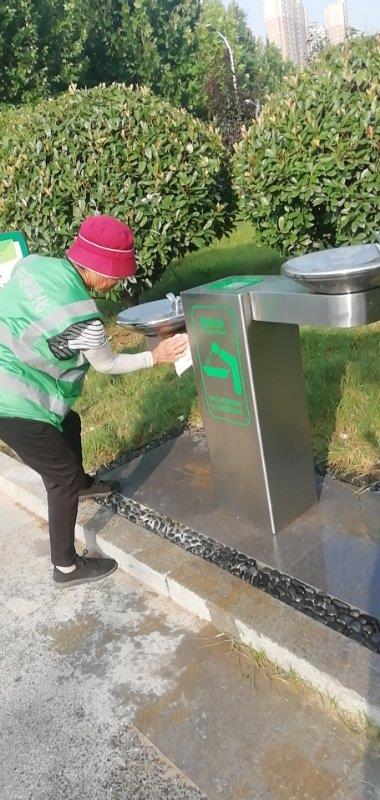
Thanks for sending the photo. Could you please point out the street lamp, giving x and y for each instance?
(231, 56)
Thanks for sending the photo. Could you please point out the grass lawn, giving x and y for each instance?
(236, 255)
(342, 374)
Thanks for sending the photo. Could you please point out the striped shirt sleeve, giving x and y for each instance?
(91, 338)
(86, 335)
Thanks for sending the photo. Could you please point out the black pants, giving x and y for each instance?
(57, 457)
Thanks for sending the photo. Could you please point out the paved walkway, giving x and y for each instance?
(89, 675)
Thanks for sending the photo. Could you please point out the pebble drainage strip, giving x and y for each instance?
(351, 622)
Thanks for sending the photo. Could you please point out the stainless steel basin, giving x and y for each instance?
(342, 270)
(159, 318)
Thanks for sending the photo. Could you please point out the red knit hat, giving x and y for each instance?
(104, 245)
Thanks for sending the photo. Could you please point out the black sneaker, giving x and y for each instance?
(87, 570)
(100, 489)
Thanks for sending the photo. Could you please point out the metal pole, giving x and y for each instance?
(231, 56)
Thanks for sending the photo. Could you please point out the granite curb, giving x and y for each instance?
(331, 664)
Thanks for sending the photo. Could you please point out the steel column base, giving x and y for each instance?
(252, 396)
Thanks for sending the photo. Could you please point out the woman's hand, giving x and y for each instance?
(170, 349)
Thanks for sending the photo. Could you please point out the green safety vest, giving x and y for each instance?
(43, 297)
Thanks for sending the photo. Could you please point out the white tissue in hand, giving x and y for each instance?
(183, 362)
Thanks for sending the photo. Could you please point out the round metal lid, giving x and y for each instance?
(340, 262)
(149, 313)
(159, 315)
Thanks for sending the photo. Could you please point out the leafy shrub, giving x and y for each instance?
(41, 47)
(45, 45)
(121, 151)
(307, 174)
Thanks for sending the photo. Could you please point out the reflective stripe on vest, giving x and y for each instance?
(31, 358)
(43, 298)
(79, 308)
(23, 389)
(74, 374)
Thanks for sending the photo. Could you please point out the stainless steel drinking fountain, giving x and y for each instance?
(156, 320)
(245, 345)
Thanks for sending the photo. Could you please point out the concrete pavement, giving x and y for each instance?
(63, 732)
(324, 659)
(85, 672)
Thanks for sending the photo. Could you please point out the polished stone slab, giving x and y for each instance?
(335, 546)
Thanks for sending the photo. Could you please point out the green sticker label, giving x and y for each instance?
(217, 348)
(233, 283)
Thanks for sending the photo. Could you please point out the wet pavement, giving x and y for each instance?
(85, 671)
(334, 547)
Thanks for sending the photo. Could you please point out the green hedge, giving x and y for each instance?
(307, 175)
(121, 151)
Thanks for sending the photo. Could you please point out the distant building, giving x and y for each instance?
(317, 39)
(336, 21)
(286, 25)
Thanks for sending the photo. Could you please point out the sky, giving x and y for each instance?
(362, 14)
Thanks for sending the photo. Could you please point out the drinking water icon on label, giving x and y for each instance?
(219, 362)
(222, 372)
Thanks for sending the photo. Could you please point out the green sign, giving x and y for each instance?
(8, 251)
(217, 348)
(233, 283)
(17, 240)
(13, 247)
